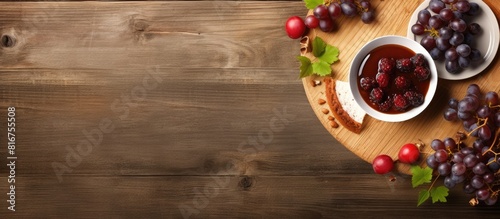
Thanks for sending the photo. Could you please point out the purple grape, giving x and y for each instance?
(418, 29)
(475, 55)
(453, 103)
(428, 42)
(477, 182)
(442, 44)
(458, 25)
(489, 177)
(449, 183)
(349, 9)
(462, 6)
(452, 66)
(458, 157)
(368, 16)
(474, 9)
(474, 28)
(491, 98)
(457, 39)
(463, 62)
(470, 160)
(468, 189)
(450, 144)
(436, 54)
(436, 22)
(483, 111)
(334, 10)
(436, 6)
(474, 90)
(441, 156)
(484, 132)
(445, 33)
(446, 14)
(492, 200)
(321, 12)
(479, 168)
(451, 54)
(496, 119)
(423, 17)
(326, 25)
(444, 169)
(463, 50)
(450, 114)
(437, 144)
(431, 162)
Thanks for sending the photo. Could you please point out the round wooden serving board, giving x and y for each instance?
(377, 137)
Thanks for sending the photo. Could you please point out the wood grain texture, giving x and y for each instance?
(200, 95)
(380, 137)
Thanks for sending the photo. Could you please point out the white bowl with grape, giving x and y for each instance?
(462, 36)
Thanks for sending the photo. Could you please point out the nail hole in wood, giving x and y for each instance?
(7, 41)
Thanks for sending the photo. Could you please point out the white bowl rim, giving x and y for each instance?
(386, 40)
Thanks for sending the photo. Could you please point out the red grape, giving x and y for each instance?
(295, 27)
(311, 21)
(409, 153)
(382, 164)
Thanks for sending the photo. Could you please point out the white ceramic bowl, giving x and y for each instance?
(361, 55)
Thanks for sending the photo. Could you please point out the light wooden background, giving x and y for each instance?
(218, 74)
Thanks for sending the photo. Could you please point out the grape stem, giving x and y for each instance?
(478, 127)
(433, 182)
(432, 32)
(495, 106)
(492, 145)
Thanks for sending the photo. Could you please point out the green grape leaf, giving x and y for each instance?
(322, 68)
(439, 194)
(318, 47)
(331, 54)
(311, 4)
(420, 175)
(423, 196)
(306, 68)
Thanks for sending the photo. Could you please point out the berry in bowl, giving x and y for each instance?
(393, 78)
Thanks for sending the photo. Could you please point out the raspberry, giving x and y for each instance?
(402, 82)
(386, 105)
(404, 65)
(415, 98)
(419, 60)
(367, 83)
(386, 65)
(400, 102)
(421, 73)
(382, 79)
(377, 95)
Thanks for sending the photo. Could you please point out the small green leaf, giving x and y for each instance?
(439, 194)
(420, 175)
(331, 54)
(423, 196)
(306, 68)
(322, 68)
(318, 47)
(311, 4)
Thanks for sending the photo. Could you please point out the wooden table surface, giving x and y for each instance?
(179, 109)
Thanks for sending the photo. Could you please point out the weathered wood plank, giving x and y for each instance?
(226, 197)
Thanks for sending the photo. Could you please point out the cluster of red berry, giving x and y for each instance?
(394, 84)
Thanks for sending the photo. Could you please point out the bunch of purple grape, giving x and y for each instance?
(325, 15)
(449, 34)
(477, 166)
